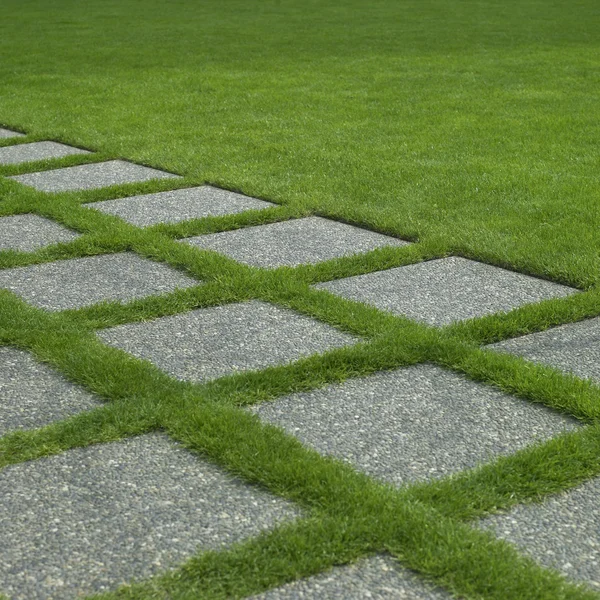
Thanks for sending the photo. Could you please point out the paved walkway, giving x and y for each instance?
(90, 519)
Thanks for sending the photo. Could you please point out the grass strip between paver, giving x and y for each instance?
(349, 514)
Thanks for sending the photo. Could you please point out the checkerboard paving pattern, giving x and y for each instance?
(89, 519)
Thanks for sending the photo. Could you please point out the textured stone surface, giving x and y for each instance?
(212, 342)
(563, 532)
(91, 176)
(295, 242)
(574, 348)
(30, 232)
(377, 578)
(93, 518)
(7, 133)
(33, 395)
(80, 282)
(439, 292)
(13, 155)
(179, 205)
(414, 423)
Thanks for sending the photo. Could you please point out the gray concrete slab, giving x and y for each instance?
(33, 395)
(21, 153)
(211, 342)
(27, 233)
(415, 423)
(439, 292)
(81, 282)
(7, 133)
(179, 205)
(292, 243)
(91, 176)
(563, 532)
(92, 518)
(574, 348)
(376, 578)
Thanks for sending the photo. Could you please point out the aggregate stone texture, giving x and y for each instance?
(292, 243)
(179, 205)
(21, 153)
(377, 578)
(79, 282)
(439, 292)
(93, 518)
(415, 423)
(574, 348)
(7, 133)
(211, 342)
(31, 232)
(563, 532)
(33, 395)
(91, 176)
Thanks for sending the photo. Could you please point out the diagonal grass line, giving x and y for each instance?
(535, 382)
(530, 318)
(529, 475)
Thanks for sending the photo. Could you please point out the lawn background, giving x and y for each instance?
(473, 124)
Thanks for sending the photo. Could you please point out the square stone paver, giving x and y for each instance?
(7, 133)
(92, 518)
(563, 532)
(21, 153)
(439, 292)
(418, 422)
(26, 233)
(179, 205)
(81, 282)
(212, 342)
(292, 243)
(574, 347)
(33, 395)
(376, 578)
(91, 176)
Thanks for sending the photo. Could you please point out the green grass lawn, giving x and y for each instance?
(470, 127)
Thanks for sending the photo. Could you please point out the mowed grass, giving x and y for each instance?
(466, 127)
(473, 123)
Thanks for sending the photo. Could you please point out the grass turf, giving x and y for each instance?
(469, 127)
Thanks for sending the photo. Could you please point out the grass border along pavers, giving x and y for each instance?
(349, 515)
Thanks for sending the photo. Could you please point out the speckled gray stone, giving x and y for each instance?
(30, 232)
(7, 133)
(179, 205)
(92, 518)
(441, 291)
(81, 282)
(563, 532)
(574, 348)
(292, 243)
(33, 395)
(91, 176)
(21, 153)
(418, 422)
(376, 578)
(211, 342)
